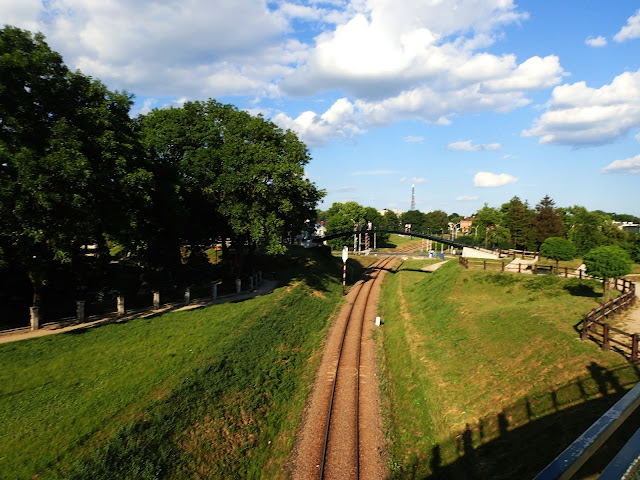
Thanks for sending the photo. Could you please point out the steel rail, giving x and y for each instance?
(382, 264)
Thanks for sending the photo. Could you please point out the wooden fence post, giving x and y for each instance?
(566, 272)
(605, 336)
(585, 327)
(519, 268)
(484, 264)
(634, 347)
(580, 270)
(502, 263)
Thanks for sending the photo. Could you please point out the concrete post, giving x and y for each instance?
(35, 318)
(187, 295)
(250, 282)
(214, 291)
(238, 286)
(156, 300)
(80, 310)
(121, 309)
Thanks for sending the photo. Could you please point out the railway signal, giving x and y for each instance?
(345, 255)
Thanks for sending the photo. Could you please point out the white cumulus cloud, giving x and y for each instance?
(339, 121)
(581, 115)
(412, 139)
(412, 180)
(631, 30)
(628, 165)
(599, 41)
(169, 48)
(375, 172)
(464, 198)
(487, 179)
(469, 147)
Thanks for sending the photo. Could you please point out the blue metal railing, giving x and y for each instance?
(575, 455)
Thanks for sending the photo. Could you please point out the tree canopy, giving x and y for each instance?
(558, 248)
(68, 155)
(608, 261)
(76, 170)
(236, 175)
(547, 221)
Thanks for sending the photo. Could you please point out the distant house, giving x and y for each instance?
(629, 227)
(465, 225)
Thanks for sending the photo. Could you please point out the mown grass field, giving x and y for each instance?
(484, 373)
(211, 393)
(398, 242)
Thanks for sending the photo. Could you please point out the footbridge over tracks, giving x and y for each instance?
(428, 236)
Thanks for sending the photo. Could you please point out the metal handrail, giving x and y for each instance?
(575, 455)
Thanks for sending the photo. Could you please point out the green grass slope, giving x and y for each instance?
(484, 372)
(211, 393)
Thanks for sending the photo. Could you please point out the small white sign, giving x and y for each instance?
(345, 253)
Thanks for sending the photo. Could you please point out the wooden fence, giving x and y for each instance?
(517, 253)
(595, 326)
(536, 269)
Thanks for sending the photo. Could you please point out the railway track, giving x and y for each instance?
(341, 435)
(342, 447)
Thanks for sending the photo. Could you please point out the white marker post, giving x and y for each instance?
(345, 255)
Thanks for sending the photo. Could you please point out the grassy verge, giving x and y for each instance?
(396, 241)
(211, 393)
(485, 374)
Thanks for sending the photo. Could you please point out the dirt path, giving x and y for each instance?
(305, 461)
(630, 320)
(267, 287)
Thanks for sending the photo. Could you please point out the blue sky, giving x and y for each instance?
(471, 101)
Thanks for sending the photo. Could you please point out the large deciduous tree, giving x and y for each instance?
(417, 221)
(436, 220)
(584, 229)
(344, 217)
(558, 248)
(231, 174)
(607, 262)
(68, 160)
(486, 219)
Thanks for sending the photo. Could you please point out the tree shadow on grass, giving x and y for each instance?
(523, 438)
(582, 288)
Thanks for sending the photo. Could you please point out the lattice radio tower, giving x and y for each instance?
(413, 197)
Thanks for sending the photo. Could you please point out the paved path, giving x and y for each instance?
(434, 266)
(267, 287)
